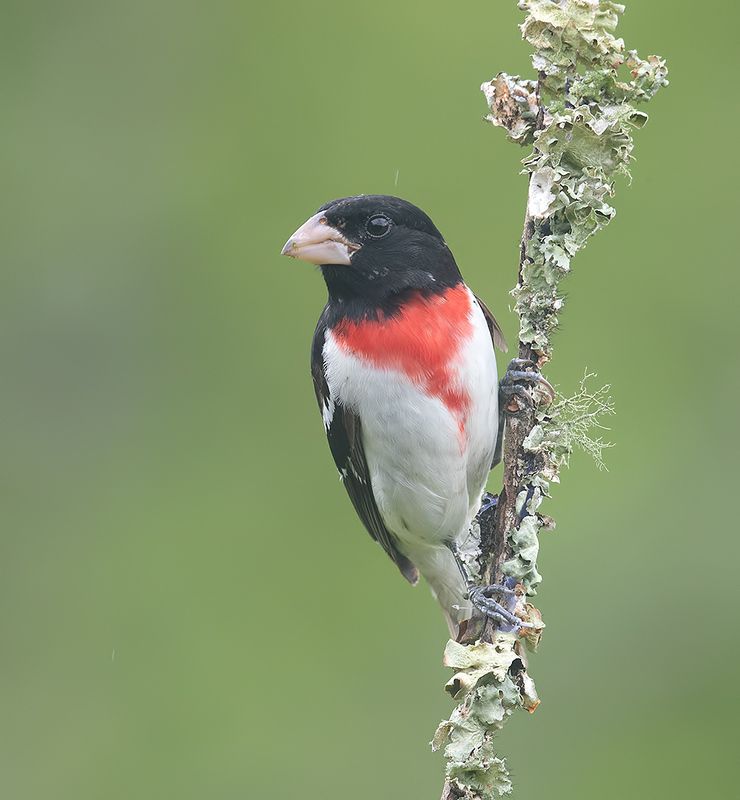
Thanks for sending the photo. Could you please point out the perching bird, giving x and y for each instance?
(405, 375)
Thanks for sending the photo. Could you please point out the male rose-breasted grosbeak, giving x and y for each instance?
(405, 375)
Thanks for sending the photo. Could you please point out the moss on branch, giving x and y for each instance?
(578, 116)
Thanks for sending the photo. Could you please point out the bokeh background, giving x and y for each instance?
(188, 606)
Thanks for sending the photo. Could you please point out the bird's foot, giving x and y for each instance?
(498, 602)
(523, 373)
(488, 503)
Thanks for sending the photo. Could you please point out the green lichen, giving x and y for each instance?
(488, 688)
(525, 544)
(561, 427)
(569, 423)
(579, 117)
(569, 33)
(583, 140)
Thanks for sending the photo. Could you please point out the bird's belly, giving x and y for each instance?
(417, 465)
(428, 462)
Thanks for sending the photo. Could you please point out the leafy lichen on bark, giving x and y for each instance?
(579, 117)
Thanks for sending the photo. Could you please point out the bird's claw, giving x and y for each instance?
(520, 374)
(488, 503)
(482, 598)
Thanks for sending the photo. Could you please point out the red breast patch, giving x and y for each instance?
(422, 341)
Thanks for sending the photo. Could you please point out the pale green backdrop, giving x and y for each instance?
(188, 607)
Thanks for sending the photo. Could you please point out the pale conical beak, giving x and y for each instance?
(318, 243)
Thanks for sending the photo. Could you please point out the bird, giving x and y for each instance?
(404, 370)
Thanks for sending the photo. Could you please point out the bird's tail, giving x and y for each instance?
(439, 568)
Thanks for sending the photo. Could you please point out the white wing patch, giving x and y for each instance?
(327, 412)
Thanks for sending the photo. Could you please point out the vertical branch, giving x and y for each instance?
(578, 117)
(519, 421)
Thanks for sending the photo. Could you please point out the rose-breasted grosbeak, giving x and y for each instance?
(405, 375)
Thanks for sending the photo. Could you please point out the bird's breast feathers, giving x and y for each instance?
(423, 383)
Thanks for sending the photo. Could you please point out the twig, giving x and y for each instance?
(579, 117)
(520, 419)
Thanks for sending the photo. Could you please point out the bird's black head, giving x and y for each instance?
(374, 250)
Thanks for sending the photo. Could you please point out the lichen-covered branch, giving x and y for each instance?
(578, 115)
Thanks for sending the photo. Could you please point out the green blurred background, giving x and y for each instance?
(188, 606)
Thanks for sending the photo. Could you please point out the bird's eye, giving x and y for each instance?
(378, 226)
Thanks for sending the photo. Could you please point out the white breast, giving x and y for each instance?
(427, 470)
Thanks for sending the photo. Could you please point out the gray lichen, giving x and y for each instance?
(569, 423)
(579, 117)
(582, 139)
(490, 682)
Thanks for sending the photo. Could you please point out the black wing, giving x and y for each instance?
(344, 432)
(497, 335)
